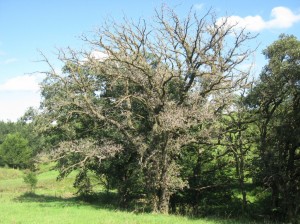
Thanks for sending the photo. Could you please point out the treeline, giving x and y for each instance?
(166, 114)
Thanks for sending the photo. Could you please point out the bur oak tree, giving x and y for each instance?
(136, 104)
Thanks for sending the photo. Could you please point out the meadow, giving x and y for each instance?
(55, 202)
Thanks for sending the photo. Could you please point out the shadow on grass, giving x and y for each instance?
(106, 201)
(99, 201)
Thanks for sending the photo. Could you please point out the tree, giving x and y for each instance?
(31, 180)
(15, 151)
(25, 128)
(5, 128)
(141, 99)
(239, 138)
(276, 99)
(8, 128)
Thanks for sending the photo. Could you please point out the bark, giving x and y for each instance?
(164, 194)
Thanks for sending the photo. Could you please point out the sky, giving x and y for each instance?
(28, 27)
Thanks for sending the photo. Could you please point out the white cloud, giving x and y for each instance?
(281, 17)
(9, 61)
(22, 83)
(198, 6)
(13, 105)
(18, 94)
(252, 23)
(97, 55)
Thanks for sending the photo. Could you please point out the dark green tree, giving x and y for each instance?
(15, 151)
(8, 128)
(276, 99)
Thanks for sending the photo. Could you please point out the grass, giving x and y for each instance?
(54, 202)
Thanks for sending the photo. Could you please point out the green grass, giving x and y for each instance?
(54, 202)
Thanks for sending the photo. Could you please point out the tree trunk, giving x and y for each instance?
(164, 193)
(291, 190)
(154, 203)
(275, 199)
(242, 186)
(240, 175)
(164, 199)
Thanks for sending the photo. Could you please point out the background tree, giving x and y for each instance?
(276, 98)
(24, 128)
(15, 151)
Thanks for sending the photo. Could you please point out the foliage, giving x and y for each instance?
(276, 100)
(31, 180)
(7, 128)
(23, 129)
(15, 151)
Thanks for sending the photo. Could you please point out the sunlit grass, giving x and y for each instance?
(55, 202)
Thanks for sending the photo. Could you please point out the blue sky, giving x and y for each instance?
(27, 26)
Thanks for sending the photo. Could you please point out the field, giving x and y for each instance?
(55, 202)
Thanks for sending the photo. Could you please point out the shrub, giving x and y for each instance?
(31, 180)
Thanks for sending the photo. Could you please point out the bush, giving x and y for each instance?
(31, 180)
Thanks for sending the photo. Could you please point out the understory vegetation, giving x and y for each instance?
(164, 117)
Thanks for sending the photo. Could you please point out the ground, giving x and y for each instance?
(55, 202)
